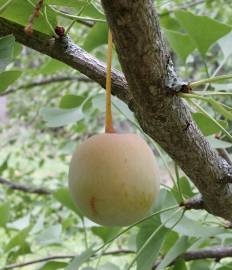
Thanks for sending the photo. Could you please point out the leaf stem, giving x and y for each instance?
(152, 235)
(74, 17)
(5, 5)
(209, 116)
(210, 80)
(135, 224)
(49, 24)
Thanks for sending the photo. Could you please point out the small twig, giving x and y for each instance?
(63, 257)
(47, 81)
(29, 28)
(24, 188)
(208, 253)
(50, 258)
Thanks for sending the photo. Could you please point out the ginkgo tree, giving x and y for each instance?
(59, 48)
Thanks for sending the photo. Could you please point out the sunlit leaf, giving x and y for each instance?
(203, 30)
(8, 77)
(6, 50)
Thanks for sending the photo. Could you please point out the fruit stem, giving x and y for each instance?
(108, 118)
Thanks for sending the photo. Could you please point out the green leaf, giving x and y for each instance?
(150, 253)
(220, 108)
(96, 37)
(8, 77)
(105, 233)
(201, 265)
(206, 125)
(123, 109)
(63, 196)
(169, 23)
(50, 236)
(189, 227)
(4, 165)
(217, 144)
(71, 101)
(203, 30)
(180, 247)
(181, 44)
(79, 260)
(211, 118)
(185, 226)
(64, 3)
(185, 188)
(19, 12)
(17, 49)
(23, 249)
(225, 44)
(169, 241)
(108, 266)
(53, 265)
(180, 265)
(6, 50)
(18, 239)
(4, 213)
(51, 66)
(20, 223)
(90, 10)
(56, 117)
(227, 266)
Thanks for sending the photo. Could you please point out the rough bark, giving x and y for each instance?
(147, 67)
(165, 117)
(216, 253)
(65, 51)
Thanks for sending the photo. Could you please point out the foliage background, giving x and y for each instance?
(46, 122)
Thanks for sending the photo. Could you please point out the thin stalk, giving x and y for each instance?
(152, 235)
(135, 224)
(49, 24)
(210, 80)
(85, 233)
(216, 72)
(209, 93)
(4, 6)
(108, 118)
(74, 17)
(208, 115)
(74, 21)
(178, 181)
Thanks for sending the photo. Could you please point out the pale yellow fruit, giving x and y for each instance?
(114, 179)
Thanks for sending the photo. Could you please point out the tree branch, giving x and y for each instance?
(24, 188)
(216, 253)
(147, 66)
(65, 51)
(209, 253)
(47, 81)
(62, 257)
(165, 117)
(195, 202)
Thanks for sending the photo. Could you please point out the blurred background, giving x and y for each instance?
(47, 109)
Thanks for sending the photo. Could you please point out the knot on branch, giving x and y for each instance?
(193, 203)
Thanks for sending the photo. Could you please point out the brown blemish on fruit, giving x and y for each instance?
(93, 205)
